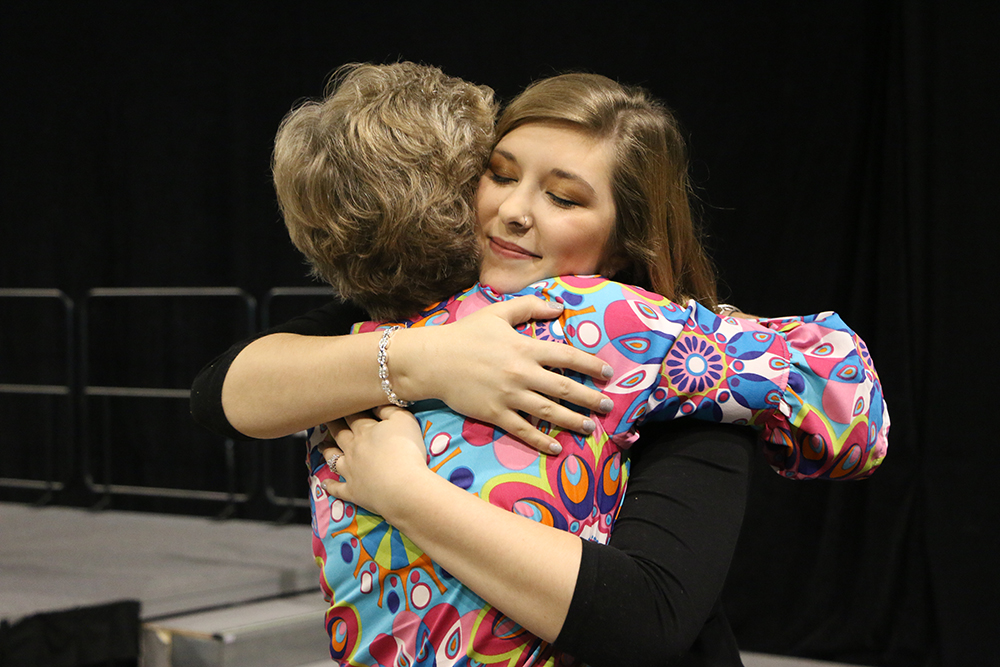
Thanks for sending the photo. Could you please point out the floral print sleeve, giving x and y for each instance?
(806, 383)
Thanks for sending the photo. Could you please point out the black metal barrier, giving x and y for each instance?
(144, 336)
(115, 363)
(57, 444)
(283, 459)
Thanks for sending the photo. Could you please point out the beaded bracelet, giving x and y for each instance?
(383, 367)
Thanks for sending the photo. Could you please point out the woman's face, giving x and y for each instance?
(544, 206)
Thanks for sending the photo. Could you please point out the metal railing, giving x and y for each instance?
(107, 487)
(290, 449)
(81, 442)
(59, 392)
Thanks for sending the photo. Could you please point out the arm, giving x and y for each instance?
(656, 584)
(332, 319)
(806, 383)
(832, 421)
(285, 381)
(674, 539)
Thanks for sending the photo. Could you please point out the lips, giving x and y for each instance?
(510, 250)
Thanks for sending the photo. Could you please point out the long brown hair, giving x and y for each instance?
(655, 243)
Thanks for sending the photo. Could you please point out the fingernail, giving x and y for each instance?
(554, 448)
(557, 303)
(607, 405)
(607, 371)
(589, 426)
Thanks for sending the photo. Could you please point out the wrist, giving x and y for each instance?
(406, 506)
(383, 367)
(405, 365)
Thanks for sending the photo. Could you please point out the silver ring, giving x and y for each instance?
(332, 464)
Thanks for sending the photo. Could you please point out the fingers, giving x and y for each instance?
(547, 410)
(385, 412)
(524, 308)
(347, 430)
(518, 427)
(558, 355)
(340, 432)
(329, 450)
(333, 463)
(336, 489)
(359, 420)
(558, 387)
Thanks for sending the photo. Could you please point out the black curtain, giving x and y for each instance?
(845, 157)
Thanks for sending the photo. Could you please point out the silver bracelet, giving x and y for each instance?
(383, 367)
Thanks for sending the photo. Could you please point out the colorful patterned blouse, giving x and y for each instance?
(806, 383)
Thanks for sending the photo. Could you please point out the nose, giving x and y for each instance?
(515, 211)
(520, 224)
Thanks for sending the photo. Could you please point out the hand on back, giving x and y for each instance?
(482, 368)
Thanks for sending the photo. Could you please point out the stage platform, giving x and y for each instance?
(81, 587)
(63, 566)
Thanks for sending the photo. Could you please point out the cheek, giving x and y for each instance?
(581, 251)
(485, 200)
(590, 246)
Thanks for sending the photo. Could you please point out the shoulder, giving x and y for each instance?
(596, 290)
(453, 308)
(597, 299)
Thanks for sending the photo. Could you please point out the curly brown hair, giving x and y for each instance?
(376, 183)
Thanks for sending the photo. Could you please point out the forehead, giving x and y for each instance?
(558, 146)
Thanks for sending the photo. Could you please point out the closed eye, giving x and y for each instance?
(562, 201)
(498, 179)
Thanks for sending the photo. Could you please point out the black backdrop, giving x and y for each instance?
(845, 155)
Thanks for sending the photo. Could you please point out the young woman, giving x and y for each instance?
(555, 201)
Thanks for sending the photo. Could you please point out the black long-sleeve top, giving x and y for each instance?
(651, 596)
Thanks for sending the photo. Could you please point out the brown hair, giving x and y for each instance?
(655, 243)
(376, 183)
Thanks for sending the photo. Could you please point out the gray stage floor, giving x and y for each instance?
(54, 558)
(204, 581)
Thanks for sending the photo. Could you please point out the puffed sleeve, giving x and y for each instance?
(807, 384)
(832, 420)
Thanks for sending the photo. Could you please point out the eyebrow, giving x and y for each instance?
(558, 173)
(576, 178)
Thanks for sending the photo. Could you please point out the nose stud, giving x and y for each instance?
(522, 222)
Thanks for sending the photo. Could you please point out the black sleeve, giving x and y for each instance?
(651, 596)
(333, 319)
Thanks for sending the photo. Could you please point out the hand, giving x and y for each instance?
(728, 310)
(482, 368)
(492, 551)
(379, 452)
